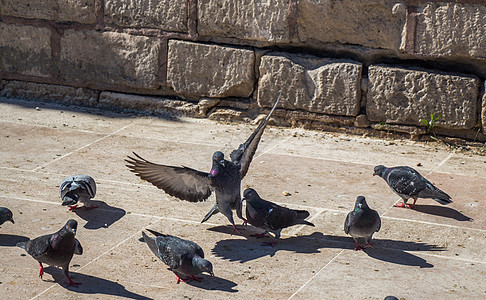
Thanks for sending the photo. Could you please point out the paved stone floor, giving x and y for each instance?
(432, 251)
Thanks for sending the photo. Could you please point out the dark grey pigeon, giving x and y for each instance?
(270, 216)
(55, 249)
(78, 188)
(362, 222)
(192, 185)
(183, 257)
(6, 215)
(408, 183)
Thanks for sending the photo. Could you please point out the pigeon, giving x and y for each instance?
(270, 216)
(184, 258)
(55, 249)
(192, 185)
(408, 183)
(6, 215)
(362, 222)
(78, 188)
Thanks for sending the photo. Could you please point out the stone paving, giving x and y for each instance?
(431, 251)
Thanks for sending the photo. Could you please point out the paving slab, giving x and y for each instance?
(322, 172)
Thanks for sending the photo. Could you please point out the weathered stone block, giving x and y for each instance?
(404, 96)
(109, 57)
(200, 70)
(484, 110)
(25, 49)
(49, 92)
(371, 23)
(168, 15)
(310, 83)
(244, 19)
(452, 29)
(55, 10)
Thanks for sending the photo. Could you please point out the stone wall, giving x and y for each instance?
(339, 64)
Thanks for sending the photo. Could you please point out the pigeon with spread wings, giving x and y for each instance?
(192, 185)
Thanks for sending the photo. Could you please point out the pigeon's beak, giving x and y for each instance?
(11, 220)
(221, 162)
(374, 173)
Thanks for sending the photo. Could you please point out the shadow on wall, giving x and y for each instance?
(386, 250)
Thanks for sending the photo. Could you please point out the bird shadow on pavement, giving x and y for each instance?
(214, 283)
(10, 240)
(91, 284)
(442, 211)
(237, 249)
(101, 217)
(392, 251)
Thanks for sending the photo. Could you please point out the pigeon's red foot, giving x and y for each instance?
(358, 247)
(245, 222)
(72, 207)
(405, 205)
(41, 271)
(369, 244)
(196, 278)
(236, 229)
(259, 235)
(179, 279)
(72, 283)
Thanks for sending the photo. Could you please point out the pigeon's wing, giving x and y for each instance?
(78, 249)
(39, 246)
(406, 181)
(63, 187)
(169, 251)
(280, 217)
(181, 182)
(244, 154)
(87, 183)
(347, 223)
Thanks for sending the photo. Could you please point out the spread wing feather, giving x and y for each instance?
(244, 154)
(181, 182)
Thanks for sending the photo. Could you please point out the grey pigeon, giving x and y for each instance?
(55, 249)
(183, 257)
(78, 188)
(6, 215)
(362, 222)
(408, 183)
(270, 216)
(192, 185)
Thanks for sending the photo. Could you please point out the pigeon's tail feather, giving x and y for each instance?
(213, 211)
(21, 245)
(155, 232)
(437, 195)
(304, 222)
(302, 214)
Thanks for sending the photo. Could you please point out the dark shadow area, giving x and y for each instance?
(111, 112)
(250, 249)
(101, 217)
(214, 284)
(91, 284)
(443, 211)
(10, 240)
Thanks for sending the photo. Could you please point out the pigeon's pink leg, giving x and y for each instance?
(236, 229)
(196, 278)
(72, 207)
(404, 205)
(358, 247)
(259, 235)
(245, 222)
(179, 279)
(369, 244)
(41, 271)
(72, 283)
